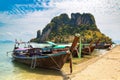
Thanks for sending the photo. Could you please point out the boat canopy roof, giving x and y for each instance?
(51, 43)
(55, 46)
(59, 46)
(21, 49)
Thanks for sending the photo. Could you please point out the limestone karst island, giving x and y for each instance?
(62, 29)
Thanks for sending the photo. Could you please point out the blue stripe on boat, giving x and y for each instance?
(45, 56)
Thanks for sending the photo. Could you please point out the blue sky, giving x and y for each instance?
(20, 19)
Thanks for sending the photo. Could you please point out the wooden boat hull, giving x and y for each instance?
(88, 50)
(49, 61)
(103, 46)
(45, 57)
(84, 51)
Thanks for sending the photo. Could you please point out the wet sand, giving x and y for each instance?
(104, 67)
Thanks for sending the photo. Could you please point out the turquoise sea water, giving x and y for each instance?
(10, 70)
(6, 66)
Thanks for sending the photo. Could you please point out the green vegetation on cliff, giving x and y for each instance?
(62, 29)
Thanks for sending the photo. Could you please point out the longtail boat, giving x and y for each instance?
(35, 57)
(85, 50)
(88, 50)
(103, 46)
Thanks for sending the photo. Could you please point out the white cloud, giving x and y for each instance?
(21, 26)
(106, 13)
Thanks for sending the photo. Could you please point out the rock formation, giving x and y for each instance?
(62, 29)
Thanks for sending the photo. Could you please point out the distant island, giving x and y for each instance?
(62, 29)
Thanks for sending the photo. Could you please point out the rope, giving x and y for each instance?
(55, 62)
(33, 62)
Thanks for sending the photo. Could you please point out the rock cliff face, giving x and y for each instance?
(82, 19)
(62, 28)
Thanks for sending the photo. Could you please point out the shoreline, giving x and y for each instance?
(82, 64)
(85, 71)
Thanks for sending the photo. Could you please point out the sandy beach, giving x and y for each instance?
(104, 67)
